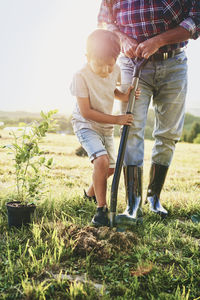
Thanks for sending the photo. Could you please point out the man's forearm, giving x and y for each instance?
(172, 36)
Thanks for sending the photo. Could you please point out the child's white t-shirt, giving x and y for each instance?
(100, 91)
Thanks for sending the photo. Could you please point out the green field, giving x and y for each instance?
(60, 256)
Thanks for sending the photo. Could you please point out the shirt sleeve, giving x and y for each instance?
(106, 17)
(192, 22)
(79, 87)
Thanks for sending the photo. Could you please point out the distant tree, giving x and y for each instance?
(21, 124)
(63, 124)
(194, 132)
(10, 122)
(28, 120)
(69, 127)
(184, 136)
(197, 139)
(189, 119)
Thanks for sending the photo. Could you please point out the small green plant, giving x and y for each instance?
(30, 161)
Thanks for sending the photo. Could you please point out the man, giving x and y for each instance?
(158, 31)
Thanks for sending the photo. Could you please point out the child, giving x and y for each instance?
(95, 89)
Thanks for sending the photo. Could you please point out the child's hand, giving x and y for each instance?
(137, 94)
(127, 94)
(125, 119)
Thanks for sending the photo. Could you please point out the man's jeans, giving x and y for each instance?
(165, 82)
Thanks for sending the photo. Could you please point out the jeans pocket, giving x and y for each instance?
(181, 58)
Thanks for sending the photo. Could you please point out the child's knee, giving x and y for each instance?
(102, 161)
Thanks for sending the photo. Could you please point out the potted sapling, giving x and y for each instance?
(30, 165)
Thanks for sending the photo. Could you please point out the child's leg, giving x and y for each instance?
(100, 155)
(90, 192)
(100, 175)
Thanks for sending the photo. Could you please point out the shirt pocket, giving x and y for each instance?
(172, 12)
(128, 13)
(141, 15)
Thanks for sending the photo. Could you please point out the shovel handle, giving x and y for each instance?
(139, 63)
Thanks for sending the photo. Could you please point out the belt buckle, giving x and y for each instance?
(165, 55)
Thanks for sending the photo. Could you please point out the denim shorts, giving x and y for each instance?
(96, 144)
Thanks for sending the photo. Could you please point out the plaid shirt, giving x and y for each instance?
(143, 19)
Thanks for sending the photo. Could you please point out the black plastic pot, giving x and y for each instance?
(19, 214)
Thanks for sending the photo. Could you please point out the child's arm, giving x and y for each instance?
(90, 114)
(124, 97)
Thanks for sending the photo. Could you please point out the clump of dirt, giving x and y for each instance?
(86, 241)
(122, 241)
(100, 242)
(104, 232)
(75, 230)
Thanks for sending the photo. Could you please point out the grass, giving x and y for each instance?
(60, 256)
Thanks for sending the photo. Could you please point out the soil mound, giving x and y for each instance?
(100, 242)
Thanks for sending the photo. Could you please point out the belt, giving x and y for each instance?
(165, 55)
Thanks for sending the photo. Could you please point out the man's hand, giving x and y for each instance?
(129, 46)
(171, 36)
(124, 119)
(147, 48)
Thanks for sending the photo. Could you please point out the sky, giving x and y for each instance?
(43, 45)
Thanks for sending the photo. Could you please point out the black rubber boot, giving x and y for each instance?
(101, 217)
(157, 178)
(133, 184)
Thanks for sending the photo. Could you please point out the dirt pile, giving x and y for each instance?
(100, 242)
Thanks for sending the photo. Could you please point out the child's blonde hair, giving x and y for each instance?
(103, 44)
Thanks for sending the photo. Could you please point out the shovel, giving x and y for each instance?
(139, 63)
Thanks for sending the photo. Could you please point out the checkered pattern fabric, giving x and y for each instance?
(143, 19)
